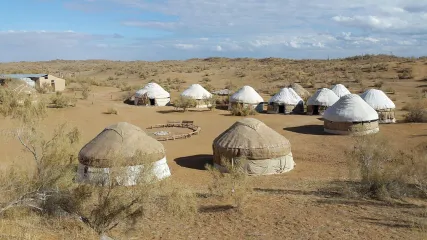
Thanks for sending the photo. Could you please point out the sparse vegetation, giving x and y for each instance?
(240, 110)
(184, 103)
(416, 111)
(61, 101)
(111, 110)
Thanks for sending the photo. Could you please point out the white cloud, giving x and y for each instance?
(185, 46)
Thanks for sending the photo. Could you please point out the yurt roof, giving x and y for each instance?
(377, 99)
(340, 90)
(286, 96)
(196, 91)
(153, 90)
(121, 140)
(302, 92)
(252, 139)
(246, 94)
(350, 108)
(323, 97)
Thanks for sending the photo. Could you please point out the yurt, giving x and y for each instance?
(262, 150)
(351, 114)
(321, 99)
(199, 94)
(152, 95)
(340, 90)
(302, 92)
(286, 101)
(247, 97)
(119, 154)
(378, 100)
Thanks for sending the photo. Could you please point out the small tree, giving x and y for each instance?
(230, 183)
(184, 103)
(211, 102)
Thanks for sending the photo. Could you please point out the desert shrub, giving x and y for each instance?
(44, 88)
(61, 101)
(240, 110)
(378, 84)
(85, 91)
(416, 111)
(111, 110)
(380, 168)
(21, 106)
(184, 103)
(230, 86)
(230, 186)
(390, 90)
(405, 73)
(125, 87)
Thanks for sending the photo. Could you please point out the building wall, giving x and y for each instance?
(59, 82)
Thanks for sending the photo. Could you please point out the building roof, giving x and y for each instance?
(23, 75)
(340, 90)
(350, 108)
(196, 91)
(323, 97)
(153, 90)
(251, 138)
(286, 96)
(246, 94)
(377, 99)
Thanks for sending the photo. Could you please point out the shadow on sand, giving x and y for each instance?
(308, 129)
(195, 162)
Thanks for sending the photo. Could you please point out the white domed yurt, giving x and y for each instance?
(340, 90)
(199, 94)
(152, 95)
(247, 97)
(379, 101)
(286, 101)
(262, 150)
(321, 100)
(119, 154)
(350, 114)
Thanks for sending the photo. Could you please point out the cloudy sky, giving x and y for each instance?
(32, 30)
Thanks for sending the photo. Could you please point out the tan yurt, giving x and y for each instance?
(350, 114)
(302, 92)
(286, 101)
(321, 100)
(378, 100)
(262, 150)
(118, 154)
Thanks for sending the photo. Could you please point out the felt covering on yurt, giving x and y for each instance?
(349, 113)
(266, 151)
(152, 90)
(323, 97)
(246, 94)
(340, 90)
(121, 139)
(196, 91)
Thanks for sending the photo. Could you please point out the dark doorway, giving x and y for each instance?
(281, 108)
(316, 110)
(152, 101)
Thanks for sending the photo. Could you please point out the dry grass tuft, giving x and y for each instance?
(239, 110)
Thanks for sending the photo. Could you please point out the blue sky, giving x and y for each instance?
(33, 30)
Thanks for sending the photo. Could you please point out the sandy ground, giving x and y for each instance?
(296, 205)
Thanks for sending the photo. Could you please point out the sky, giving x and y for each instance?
(153, 30)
